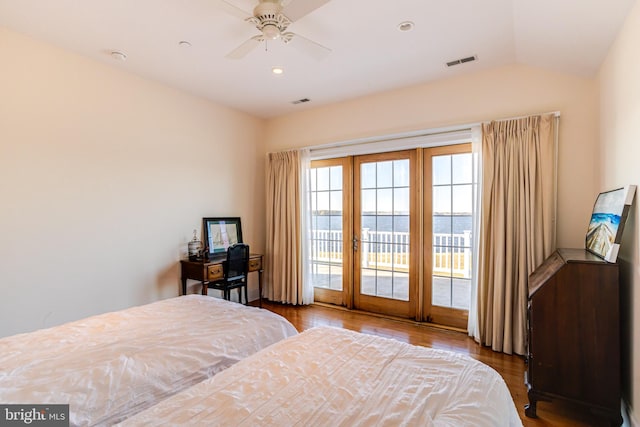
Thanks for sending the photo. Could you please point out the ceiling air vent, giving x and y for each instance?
(462, 60)
(300, 101)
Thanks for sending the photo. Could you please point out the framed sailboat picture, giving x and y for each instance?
(220, 233)
(607, 222)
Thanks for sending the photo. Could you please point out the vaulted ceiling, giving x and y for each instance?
(368, 52)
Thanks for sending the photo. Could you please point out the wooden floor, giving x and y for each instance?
(510, 367)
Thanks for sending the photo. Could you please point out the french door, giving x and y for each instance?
(384, 222)
(391, 233)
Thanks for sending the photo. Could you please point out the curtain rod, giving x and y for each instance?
(416, 134)
(556, 114)
(432, 132)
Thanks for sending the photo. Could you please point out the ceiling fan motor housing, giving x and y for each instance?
(267, 18)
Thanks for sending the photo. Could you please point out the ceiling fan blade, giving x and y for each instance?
(246, 47)
(234, 10)
(311, 48)
(296, 9)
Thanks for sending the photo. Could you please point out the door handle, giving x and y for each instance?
(355, 242)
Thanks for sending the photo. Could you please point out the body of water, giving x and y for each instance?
(400, 223)
(604, 218)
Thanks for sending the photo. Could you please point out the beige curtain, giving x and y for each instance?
(517, 224)
(284, 238)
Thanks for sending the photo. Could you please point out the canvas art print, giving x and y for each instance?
(607, 222)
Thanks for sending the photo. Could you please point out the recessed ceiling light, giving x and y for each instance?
(405, 26)
(118, 56)
(184, 43)
(277, 70)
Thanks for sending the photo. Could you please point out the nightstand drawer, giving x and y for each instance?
(214, 272)
(255, 264)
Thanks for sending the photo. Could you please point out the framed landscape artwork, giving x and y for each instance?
(607, 222)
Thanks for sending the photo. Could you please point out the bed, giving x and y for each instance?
(334, 377)
(111, 366)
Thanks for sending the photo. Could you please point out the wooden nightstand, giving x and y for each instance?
(207, 271)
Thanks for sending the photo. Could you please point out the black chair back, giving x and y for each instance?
(237, 264)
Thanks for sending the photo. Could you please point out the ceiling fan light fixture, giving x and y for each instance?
(271, 32)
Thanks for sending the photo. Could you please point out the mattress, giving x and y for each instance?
(335, 377)
(113, 365)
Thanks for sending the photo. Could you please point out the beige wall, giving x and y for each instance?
(620, 165)
(499, 93)
(103, 177)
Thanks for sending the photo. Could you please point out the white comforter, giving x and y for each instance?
(113, 365)
(334, 377)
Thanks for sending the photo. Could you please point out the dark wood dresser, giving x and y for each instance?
(574, 336)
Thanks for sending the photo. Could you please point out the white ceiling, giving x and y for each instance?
(368, 55)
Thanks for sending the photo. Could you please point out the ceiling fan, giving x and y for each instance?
(272, 18)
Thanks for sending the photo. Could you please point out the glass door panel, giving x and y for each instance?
(330, 230)
(382, 230)
(448, 219)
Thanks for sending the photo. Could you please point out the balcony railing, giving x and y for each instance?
(387, 250)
